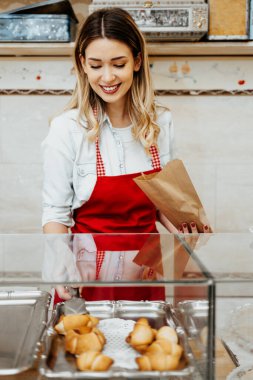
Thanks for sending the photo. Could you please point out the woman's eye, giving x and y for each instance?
(119, 66)
(95, 67)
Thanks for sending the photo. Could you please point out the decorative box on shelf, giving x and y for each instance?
(48, 21)
(228, 20)
(164, 20)
(251, 21)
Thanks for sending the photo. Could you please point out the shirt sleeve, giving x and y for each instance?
(58, 161)
(166, 141)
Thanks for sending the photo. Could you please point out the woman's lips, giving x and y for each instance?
(110, 89)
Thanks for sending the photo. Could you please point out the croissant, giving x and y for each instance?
(83, 329)
(142, 335)
(71, 339)
(165, 347)
(78, 343)
(93, 341)
(75, 321)
(93, 361)
(100, 335)
(167, 333)
(177, 350)
(160, 345)
(157, 362)
(143, 321)
(93, 321)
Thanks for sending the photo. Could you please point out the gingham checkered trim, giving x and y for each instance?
(99, 261)
(100, 173)
(155, 157)
(100, 164)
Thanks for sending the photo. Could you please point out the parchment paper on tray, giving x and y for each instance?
(172, 192)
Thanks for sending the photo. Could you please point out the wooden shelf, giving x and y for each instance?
(36, 49)
(154, 49)
(201, 48)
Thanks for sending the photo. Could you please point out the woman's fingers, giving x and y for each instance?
(206, 229)
(194, 228)
(67, 292)
(187, 228)
(63, 292)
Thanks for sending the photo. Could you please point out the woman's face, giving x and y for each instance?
(110, 65)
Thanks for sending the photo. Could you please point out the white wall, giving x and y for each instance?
(23, 126)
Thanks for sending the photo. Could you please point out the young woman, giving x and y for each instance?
(111, 131)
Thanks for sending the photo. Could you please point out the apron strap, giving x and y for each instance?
(99, 261)
(99, 161)
(156, 163)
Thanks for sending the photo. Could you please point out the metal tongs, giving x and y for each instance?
(76, 305)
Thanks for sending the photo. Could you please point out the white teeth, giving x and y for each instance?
(110, 88)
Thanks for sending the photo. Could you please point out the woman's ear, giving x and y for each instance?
(82, 59)
(137, 62)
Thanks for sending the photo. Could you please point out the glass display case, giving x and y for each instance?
(228, 260)
(140, 282)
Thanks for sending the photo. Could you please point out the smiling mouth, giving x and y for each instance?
(110, 89)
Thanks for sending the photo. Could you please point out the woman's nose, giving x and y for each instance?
(108, 75)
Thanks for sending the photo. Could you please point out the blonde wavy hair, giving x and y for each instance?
(116, 23)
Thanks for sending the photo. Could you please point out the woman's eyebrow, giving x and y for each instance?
(95, 59)
(113, 59)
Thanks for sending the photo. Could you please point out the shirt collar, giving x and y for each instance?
(104, 122)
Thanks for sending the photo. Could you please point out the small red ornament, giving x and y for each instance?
(241, 82)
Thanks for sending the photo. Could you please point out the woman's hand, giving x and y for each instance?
(187, 228)
(63, 292)
(166, 223)
(67, 292)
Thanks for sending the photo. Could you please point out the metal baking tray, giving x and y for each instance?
(55, 363)
(195, 316)
(23, 318)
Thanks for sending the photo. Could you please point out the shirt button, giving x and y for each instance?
(117, 277)
(121, 166)
(121, 257)
(118, 142)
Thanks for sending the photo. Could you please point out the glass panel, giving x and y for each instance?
(225, 257)
(97, 258)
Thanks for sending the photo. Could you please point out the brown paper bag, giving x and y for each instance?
(172, 192)
(150, 254)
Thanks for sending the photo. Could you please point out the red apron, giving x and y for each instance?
(117, 205)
